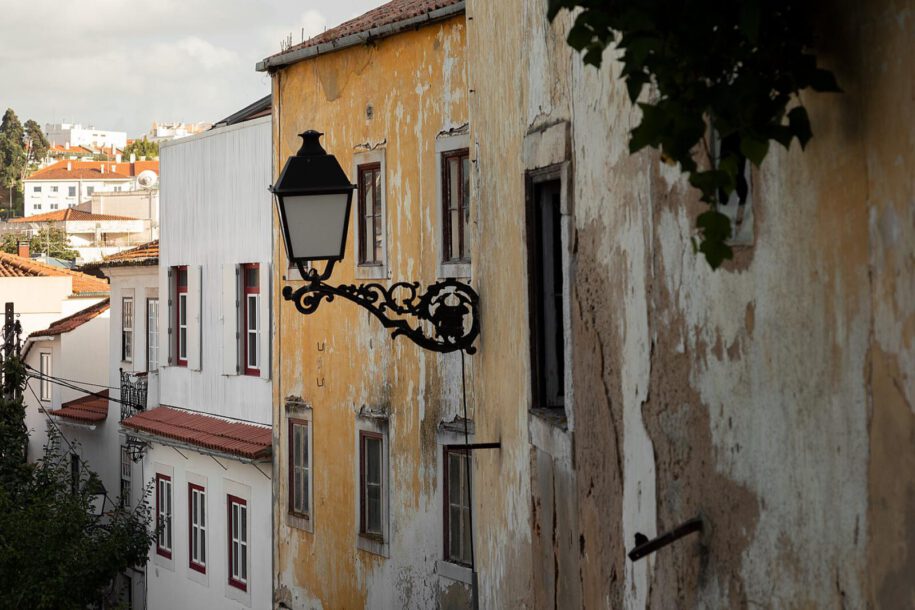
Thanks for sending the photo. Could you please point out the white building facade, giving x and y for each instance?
(207, 446)
(74, 134)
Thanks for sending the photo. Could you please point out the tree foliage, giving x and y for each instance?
(735, 67)
(13, 160)
(142, 148)
(36, 144)
(55, 550)
(49, 241)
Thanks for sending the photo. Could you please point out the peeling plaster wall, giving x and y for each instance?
(340, 358)
(773, 397)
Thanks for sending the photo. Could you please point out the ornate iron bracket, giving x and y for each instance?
(135, 448)
(449, 309)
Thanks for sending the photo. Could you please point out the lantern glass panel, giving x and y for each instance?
(316, 225)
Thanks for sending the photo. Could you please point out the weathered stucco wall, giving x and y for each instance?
(773, 397)
(340, 359)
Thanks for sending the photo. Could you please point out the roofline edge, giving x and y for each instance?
(282, 60)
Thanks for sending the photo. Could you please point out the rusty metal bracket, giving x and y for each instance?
(644, 546)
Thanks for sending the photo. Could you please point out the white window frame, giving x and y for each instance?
(197, 526)
(239, 570)
(126, 477)
(446, 144)
(374, 271)
(152, 334)
(182, 325)
(127, 342)
(44, 365)
(164, 515)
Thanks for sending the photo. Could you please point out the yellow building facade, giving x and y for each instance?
(361, 419)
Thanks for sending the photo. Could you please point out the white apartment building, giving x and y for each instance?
(74, 134)
(162, 132)
(207, 446)
(68, 183)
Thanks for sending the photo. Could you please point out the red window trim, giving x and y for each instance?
(460, 154)
(246, 290)
(202, 568)
(241, 502)
(291, 464)
(159, 550)
(445, 504)
(377, 211)
(179, 290)
(363, 435)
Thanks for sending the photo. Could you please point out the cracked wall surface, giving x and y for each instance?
(773, 397)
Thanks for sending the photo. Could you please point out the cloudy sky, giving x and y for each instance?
(122, 64)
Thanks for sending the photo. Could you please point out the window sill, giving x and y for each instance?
(372, 544)
(372, 272)
(551, 416)
(454, 270)
(300, 522)
(454, 571)
(549, 433)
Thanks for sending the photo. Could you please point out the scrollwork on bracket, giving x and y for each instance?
(445, 307)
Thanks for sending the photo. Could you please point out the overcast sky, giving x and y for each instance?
(122, 64)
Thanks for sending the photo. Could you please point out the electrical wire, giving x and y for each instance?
(82, 463)
(469, 458)
(89, 383)
(57, 381)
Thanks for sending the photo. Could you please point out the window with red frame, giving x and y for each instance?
(251, 316)
(181, 313)
(371, 484)
(238, 542)
(457, 506)
(455, 206)
(371, 225)
(197, 527)
(164, 515)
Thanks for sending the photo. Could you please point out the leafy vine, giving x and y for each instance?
(727, 77)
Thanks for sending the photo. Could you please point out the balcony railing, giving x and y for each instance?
(133, 393)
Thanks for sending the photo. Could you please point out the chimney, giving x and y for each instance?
(117, 158)
(23, 249)
(69, 166)
(133, 158)
(102, 168)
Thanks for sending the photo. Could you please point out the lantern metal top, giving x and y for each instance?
(311, 170)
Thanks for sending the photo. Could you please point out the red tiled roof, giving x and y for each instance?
(65, 325)
(12, 265)
(91, 409)
(386, 14)
(143, 252)
(68, 214)
(92, 170)
(205, 431)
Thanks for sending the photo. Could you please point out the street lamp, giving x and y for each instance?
(314, 197)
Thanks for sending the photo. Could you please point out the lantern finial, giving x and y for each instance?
(311, 144)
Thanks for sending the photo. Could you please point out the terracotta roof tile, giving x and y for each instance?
(89, 409)
(12, 265)
(143, 252)
(386, 14)
(65, 325)
(92, 170)
(205, 431)
(68, 214)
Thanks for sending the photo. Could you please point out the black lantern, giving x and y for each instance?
(314, 196)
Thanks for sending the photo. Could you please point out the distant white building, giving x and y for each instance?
(68, 183)
(71, 135)
(162, 132)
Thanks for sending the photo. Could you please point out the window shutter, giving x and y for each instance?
(263, 323)
(193, 317)
(169, 312)
(230, 301)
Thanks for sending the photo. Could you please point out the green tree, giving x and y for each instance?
(142, 148)
(13, 159)
(49, 241)
(56, 551)
(36, 144)
(733, 69)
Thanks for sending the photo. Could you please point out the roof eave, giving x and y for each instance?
(276, 62)
(263, 457)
